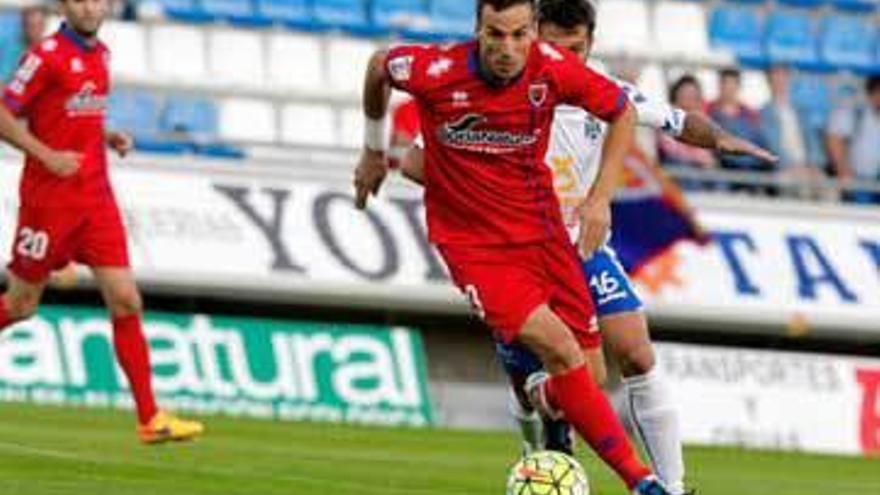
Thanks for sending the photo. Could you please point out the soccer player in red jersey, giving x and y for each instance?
(486, 108)
(68, 211)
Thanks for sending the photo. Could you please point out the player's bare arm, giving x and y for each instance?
(373, 166)
(120, 142)
(595, 211)
(61, 163)
(701, 131)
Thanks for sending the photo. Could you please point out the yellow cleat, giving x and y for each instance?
(165, 427)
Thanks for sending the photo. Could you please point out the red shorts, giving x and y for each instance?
(506, 283)
(50, 237)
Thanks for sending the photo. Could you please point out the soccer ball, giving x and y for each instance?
(547, 473)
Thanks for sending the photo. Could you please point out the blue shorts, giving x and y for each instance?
(612, 294)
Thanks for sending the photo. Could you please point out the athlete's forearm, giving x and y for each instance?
(377, 87)
(701, 131)
(617, 144)
(14, 133)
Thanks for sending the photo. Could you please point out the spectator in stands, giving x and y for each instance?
(734, 116)
(788, 137)
(33, 29)
(687, 94)
(853, 140)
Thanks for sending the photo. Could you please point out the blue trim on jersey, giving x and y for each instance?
(610, 287)
(82, 42)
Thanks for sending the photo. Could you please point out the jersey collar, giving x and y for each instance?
(80, 41)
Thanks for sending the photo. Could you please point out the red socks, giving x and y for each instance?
(587, 409)
(133, 355)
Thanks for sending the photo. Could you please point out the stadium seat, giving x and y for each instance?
(811, 93)
(235, 11)
(446, 19)
(308, 124)
(680, 30)
(236, 56)
(295, 62)
(791, 39)
(809, 4)
(183, 10)
(740, 30)
(178, 53)
(10, 44)
(294, 13)
(624, 28)
(136, 112)
(348, 59)
(848, 42)
(390, 14)
(129, 44)
(247, 120)
(348, 15)
(189, 119)
(856, 5)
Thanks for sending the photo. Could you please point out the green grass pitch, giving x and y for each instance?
(57, 451)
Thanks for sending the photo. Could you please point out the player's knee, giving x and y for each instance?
(22, 306)
(126, 303)
(637, 360)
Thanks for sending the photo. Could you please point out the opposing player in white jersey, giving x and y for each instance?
(574, 155)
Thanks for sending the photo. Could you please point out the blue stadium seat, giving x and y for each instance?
(192, 119)
(740, 30)
(848, 42)
(235, 11)
(811, 93)
(184, 10)
(804, 3)
(856, 5)
(791, 39)
(396, 13)
(294, 13)
(137, 112)
(448, 19)
(348, 15)
(10, 44)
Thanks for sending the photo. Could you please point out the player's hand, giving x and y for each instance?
(595, 217)
(120, 142)
(732, 145)
(369, 175)
(63, 163)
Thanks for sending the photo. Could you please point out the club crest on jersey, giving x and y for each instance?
(465, 133)
(400, 68)
(76, 65)
(86, 102)
(538, 94)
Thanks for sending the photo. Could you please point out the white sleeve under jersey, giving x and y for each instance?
(576, 140)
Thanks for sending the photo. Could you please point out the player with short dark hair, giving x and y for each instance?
(486, 107)
(67, 209)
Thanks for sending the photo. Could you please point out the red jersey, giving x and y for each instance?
(485, 178)
(61, 88)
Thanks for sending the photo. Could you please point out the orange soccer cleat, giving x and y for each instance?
(165, 427)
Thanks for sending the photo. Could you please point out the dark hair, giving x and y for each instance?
(872, 83)
(568, 14)
(681, 82)
(730, 72)
(500, 5)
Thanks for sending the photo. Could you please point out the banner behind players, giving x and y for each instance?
(236, 366)
(773, 265)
